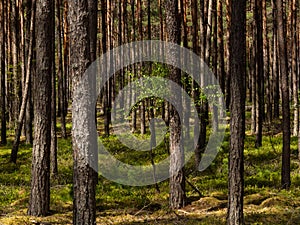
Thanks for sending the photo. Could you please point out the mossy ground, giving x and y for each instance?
(265, 202)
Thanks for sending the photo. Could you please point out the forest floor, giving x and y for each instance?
(264, 202)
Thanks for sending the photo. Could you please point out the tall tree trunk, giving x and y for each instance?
(196, 93)
(275, 66)
(282, 57)
(177, 180)
(108, 89)
(15, 62)
(259, 71)
(66, 58)
(60, 72)
(40, 182)
(237, 120)
(133, 21)
(294, 70)
(93, 10)
(221, 56)
(140, 66)
(228, 72)
(3, 72)
(53, 145)
(267, 74)
(253, 80)
(14, 152)
(83, 114)
(215, 58)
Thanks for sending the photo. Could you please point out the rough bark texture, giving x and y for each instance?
(40, 171)
(83, 116)
(237, 108)
(177, 181)
(282, 57)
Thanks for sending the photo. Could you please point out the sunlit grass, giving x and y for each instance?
(265, 202)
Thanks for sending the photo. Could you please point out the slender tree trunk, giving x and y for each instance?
(108, 89)
(40, 182)
(3, 72)
(140, 66)
(228, 72)
(267, 74)
(282, 57)
(66, 54)
(60, 73)
(260, 72)
(133, 113)
(215, 59)
(275, 66)
(294, 69)
(237, 120)
(15, 40)
(253, 78)
(196, 93)
(205, 47)
(14, 152)
(53, 147)
(221, 56)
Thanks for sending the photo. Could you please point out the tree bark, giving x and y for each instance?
(60, 73)
(177, 180)
(294, 68)
(282, 58)
(40, 182)
(237, 108)
(66, 58)
(83, 114)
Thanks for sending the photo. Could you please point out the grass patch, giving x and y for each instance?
(265, 202)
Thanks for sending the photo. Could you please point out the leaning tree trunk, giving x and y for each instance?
(83, 115)
(237, 111)
(40, 182)
(14, 152)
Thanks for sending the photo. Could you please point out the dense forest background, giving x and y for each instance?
(253, 49)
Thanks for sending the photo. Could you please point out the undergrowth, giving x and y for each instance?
(265, 202)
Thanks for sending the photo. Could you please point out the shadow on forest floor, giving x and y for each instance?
(265, 202)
